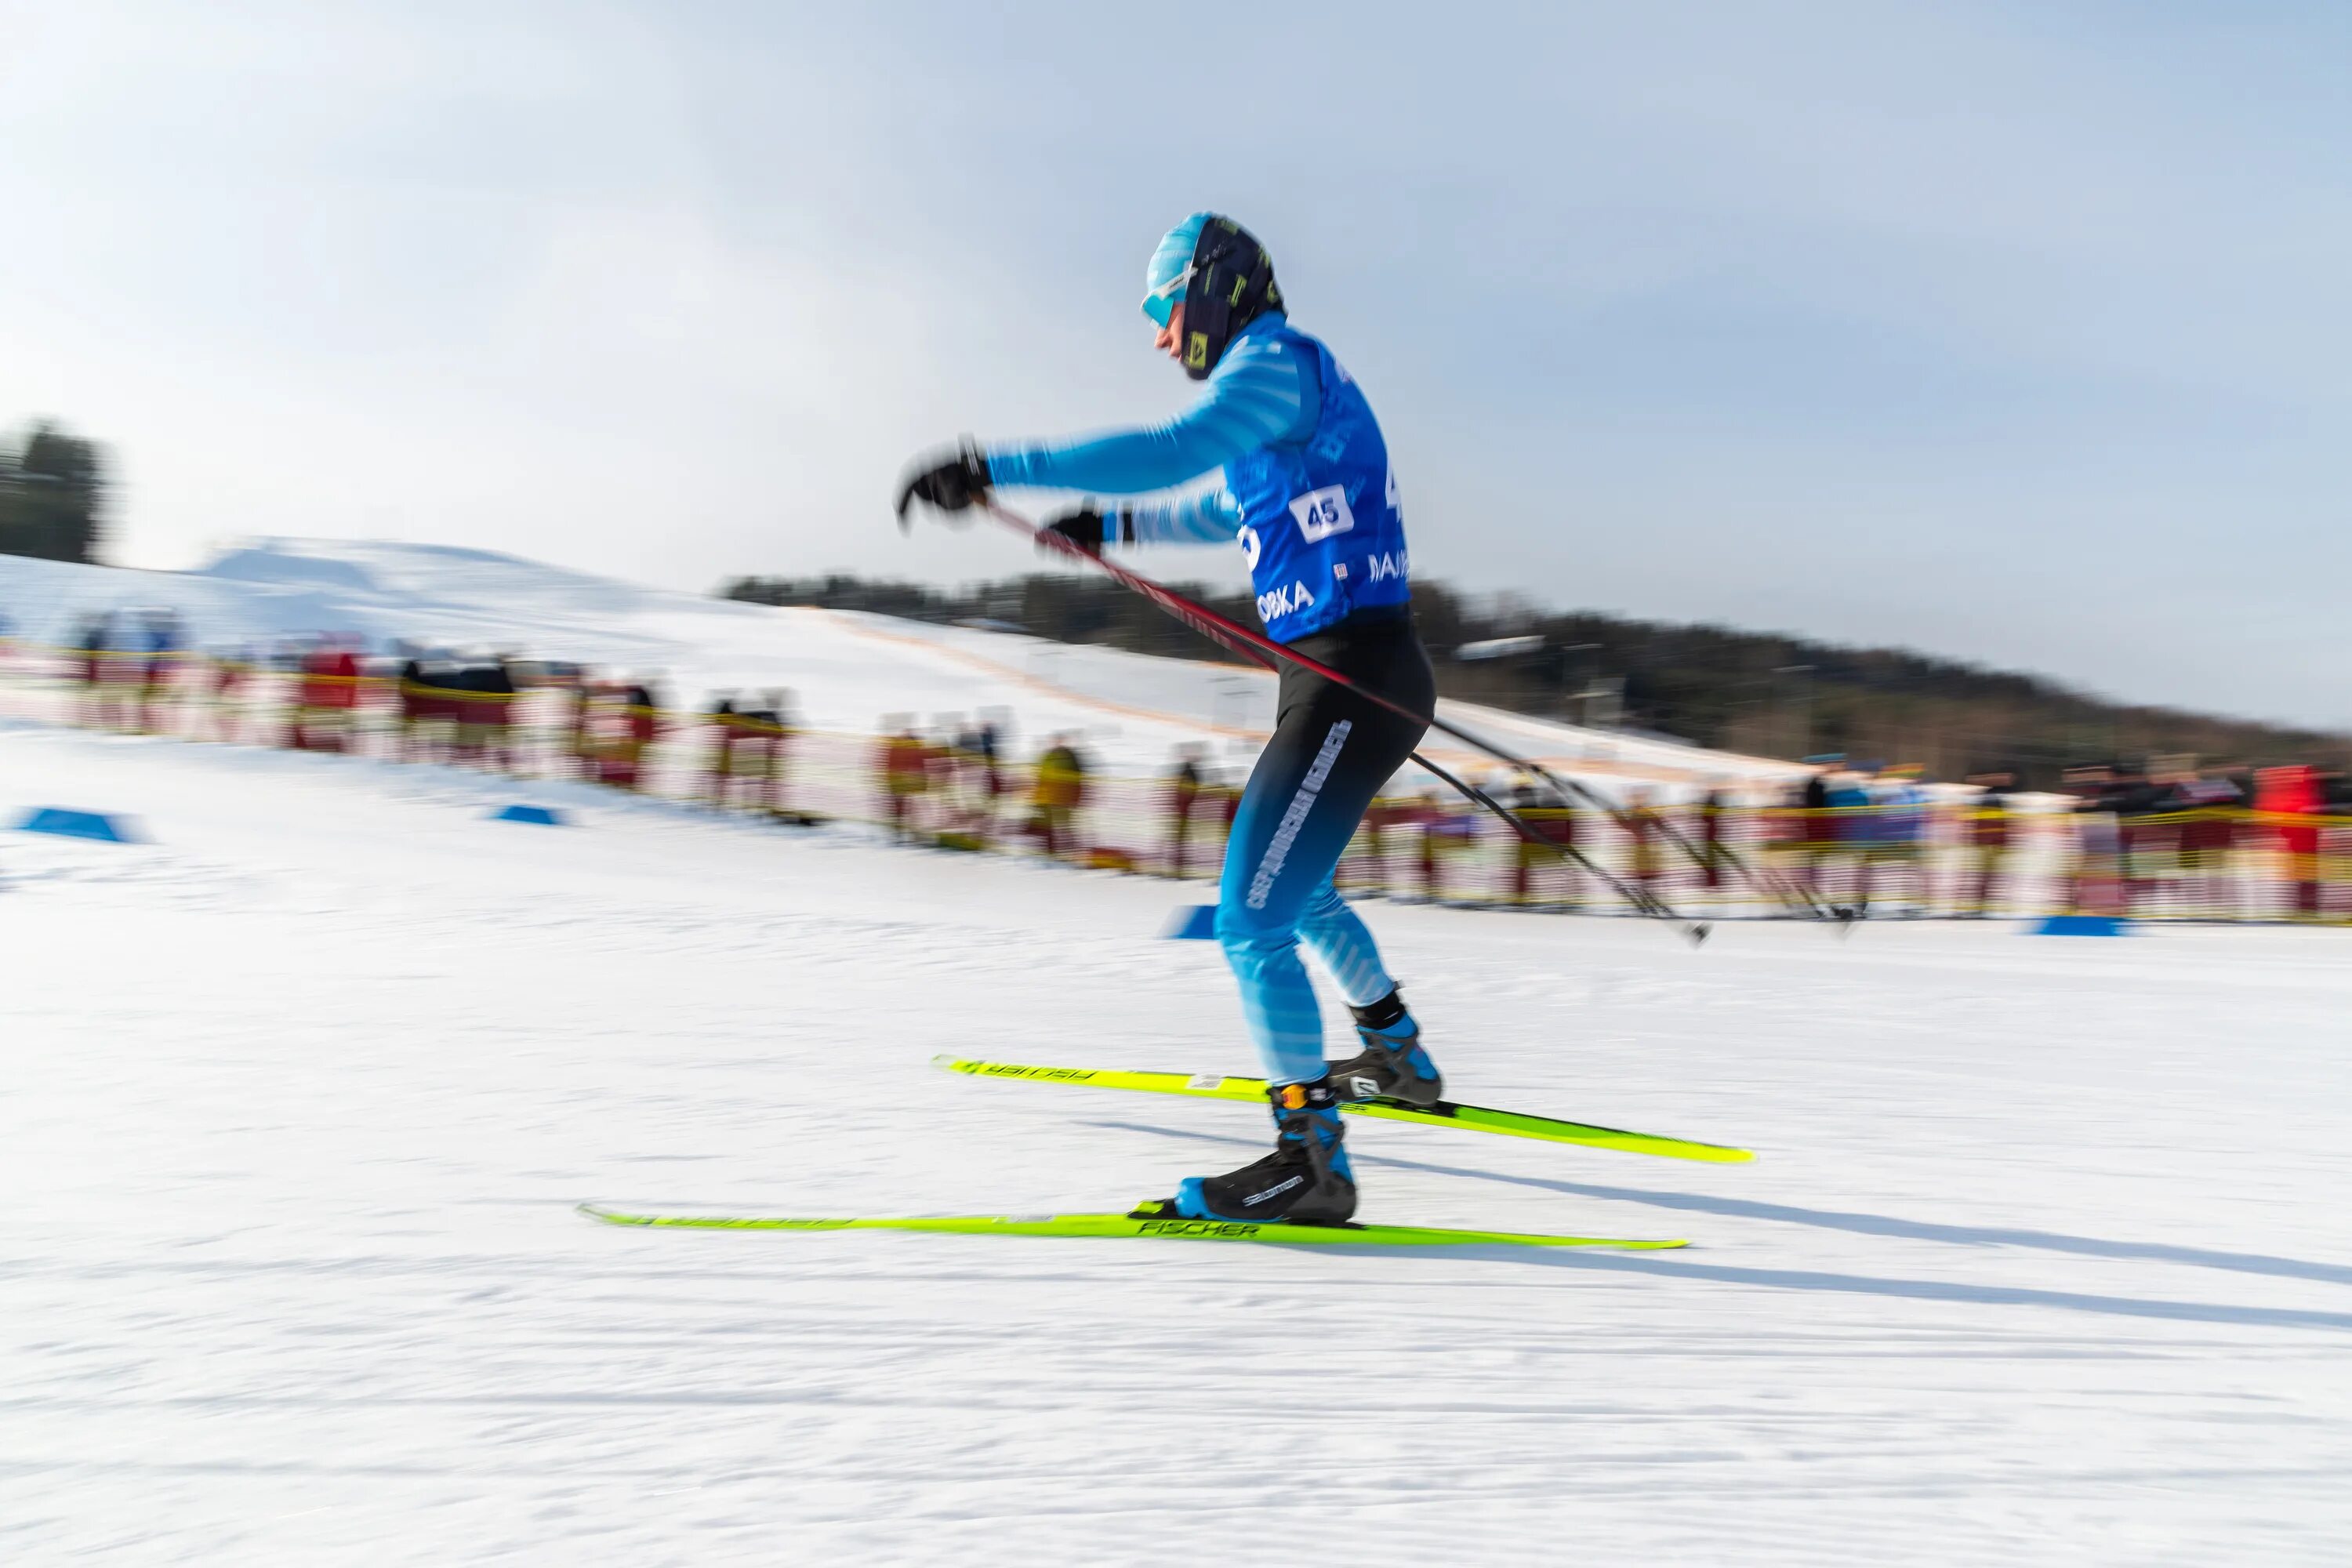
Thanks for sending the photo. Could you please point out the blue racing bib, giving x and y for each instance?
(1320, 523)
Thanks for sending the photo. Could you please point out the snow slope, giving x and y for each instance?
(847, 671)
(2044, 1261)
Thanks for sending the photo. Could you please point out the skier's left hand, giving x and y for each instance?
(1084, 528)
(949, 483)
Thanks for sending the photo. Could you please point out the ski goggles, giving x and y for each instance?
(1161, 302)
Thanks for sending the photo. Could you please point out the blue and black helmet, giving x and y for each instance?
(1224, 277)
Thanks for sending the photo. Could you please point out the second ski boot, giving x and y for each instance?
(1306, 1181)
(1392, 1065)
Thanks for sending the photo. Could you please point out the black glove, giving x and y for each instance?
(949, 484)
(1086, 528)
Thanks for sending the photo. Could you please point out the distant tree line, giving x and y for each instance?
(52, 496)
(1760, 693)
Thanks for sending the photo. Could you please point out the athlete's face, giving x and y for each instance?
(1170, 340)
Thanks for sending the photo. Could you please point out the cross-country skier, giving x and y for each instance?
(1310, 495)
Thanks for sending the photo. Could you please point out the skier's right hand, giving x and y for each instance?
(949, 481)
(1084, 528)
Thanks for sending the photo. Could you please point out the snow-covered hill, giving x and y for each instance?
(847, 671)
(2043, 1260)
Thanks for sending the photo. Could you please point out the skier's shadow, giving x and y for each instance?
(1880, 1224)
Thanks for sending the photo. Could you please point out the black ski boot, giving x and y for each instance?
(1306, 1181)
(1391, 1065)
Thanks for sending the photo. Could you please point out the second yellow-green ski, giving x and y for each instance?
(1444, 1113)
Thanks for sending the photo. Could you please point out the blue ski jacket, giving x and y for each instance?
(1309, 492)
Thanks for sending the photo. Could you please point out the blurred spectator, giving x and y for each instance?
(719, 769)
(1986, 838)
(430, 696)
(160, 671)
(504, 683)
(2137, 802)
(91, 642)
(454, 732)
(601, 717)
(1545, 813)
(1183, 794)
(2096, 885)
(1059, 792)
(123, 670)
(943, 776)
(229, 667)
(1382, 818)
(779, 726)
(983, 779)
(1447, 830)
(1896, 828)
(1845, 830)
(747, 753)
(325, 696)
(580, 685)
(1708, 825)
(415, 698)
(468, 692)
(2207, 808)
(641, 709)
(903, 776)
(1816, 832)
(2287, 800)
(1642, 828)
(2335, 843)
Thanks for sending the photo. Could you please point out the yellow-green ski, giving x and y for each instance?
(1153, 1219)
(1444, 1113)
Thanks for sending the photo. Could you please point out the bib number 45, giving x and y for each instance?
(1322, 513)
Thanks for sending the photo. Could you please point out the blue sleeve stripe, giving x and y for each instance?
(1211, 518)
(1254, 398)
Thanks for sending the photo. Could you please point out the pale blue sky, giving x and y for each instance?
(2010, 331)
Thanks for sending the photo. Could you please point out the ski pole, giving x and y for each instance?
(1638, 896)
(1241, 639)
(1232, 635)
(1265, 650)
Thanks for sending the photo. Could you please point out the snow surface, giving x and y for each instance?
(847, 671)
(2044, 1258)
